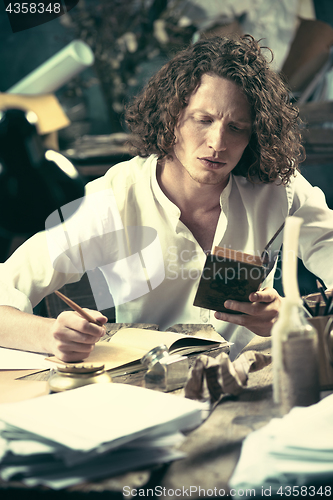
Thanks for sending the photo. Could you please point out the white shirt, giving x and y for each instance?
(152, 263)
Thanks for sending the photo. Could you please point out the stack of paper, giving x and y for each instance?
(296, 450)
(95, 431)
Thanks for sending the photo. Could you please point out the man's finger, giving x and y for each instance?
(236, 319)
(265, 295)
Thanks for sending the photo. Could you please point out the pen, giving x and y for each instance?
(322, 291)
(78, 309)
(328, 305)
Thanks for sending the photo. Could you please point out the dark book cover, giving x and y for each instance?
(228, 274)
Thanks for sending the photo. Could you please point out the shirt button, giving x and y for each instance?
(204, 315)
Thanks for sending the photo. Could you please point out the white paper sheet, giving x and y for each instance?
(14, 359)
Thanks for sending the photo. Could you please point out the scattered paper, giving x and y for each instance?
(294, 450)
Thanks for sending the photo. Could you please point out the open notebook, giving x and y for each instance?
(122, 353)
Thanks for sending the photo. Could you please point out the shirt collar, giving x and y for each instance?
(170, 208)
(224, 198)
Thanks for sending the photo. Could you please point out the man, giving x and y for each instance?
(218, 148)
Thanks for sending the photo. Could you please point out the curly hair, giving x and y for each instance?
(274, 150)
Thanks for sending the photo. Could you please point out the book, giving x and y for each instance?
(229, 274)
(124, 350)
(232, 274)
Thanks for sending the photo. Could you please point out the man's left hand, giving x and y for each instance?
(259, 314)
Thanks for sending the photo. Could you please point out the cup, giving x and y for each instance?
(324, 327)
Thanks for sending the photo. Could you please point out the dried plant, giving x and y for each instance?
(122, 36)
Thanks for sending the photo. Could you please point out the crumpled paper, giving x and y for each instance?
(211, 378)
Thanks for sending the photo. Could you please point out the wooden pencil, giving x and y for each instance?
(308, 308)
(73, 305)
(317, 306)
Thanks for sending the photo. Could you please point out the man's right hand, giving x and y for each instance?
(73, 337)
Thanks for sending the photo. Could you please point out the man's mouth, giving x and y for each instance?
(209, 162)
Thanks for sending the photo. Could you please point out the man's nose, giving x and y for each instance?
(217, 138)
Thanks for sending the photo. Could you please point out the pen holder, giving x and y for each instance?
(324, 327)
(165, 372)
(72, 377)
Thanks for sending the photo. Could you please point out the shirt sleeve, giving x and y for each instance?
(28, 275)
(316, 235)
(80, 242)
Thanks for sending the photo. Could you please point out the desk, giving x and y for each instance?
(212, 449)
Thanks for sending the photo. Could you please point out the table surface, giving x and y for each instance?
(212, 450)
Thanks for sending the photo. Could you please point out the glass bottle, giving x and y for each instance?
(295, 358)
(165, 372)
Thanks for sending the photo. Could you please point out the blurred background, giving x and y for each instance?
(131, 40)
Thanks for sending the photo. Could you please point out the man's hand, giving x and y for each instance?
(73, 337)
(260, 314)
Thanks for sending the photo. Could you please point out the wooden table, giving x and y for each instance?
(212, 449)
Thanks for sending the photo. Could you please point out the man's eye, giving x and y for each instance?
(205, 121)
(235, 128)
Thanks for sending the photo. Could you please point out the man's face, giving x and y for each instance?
(213, 131)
